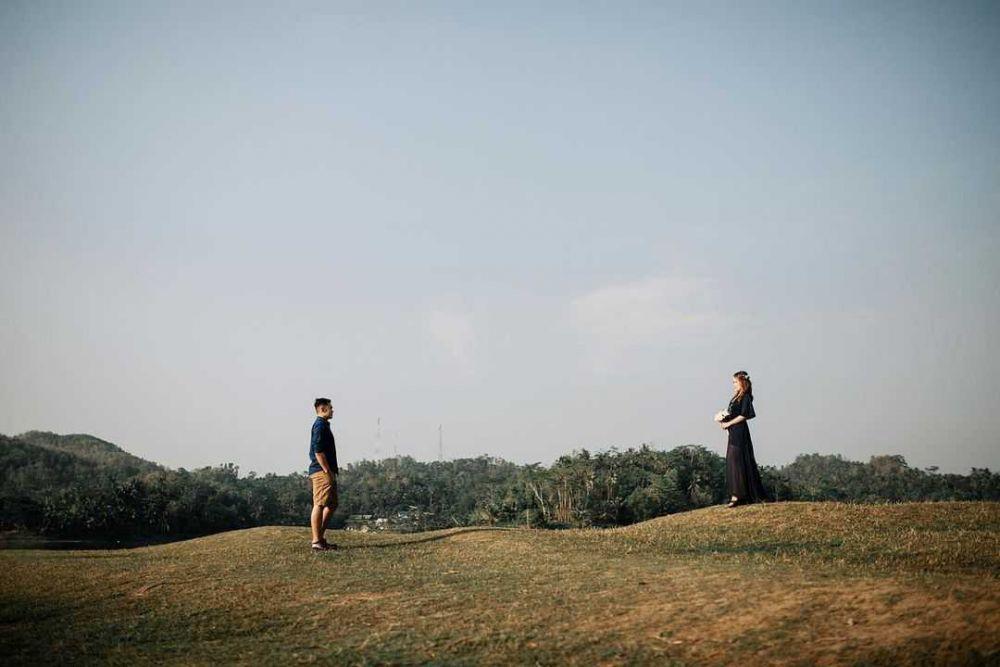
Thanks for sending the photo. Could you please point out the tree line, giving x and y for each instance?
(84, 487)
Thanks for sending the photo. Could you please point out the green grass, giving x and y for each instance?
(791, 583)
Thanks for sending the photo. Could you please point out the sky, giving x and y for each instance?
(539, 228)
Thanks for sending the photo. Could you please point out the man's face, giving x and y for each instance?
(325, 411)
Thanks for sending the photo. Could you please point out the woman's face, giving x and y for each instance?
(736, 384)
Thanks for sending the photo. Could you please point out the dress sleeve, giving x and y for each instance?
(746, 407)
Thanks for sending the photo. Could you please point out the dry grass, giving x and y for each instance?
(794, 583)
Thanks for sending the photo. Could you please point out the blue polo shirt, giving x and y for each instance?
(322, 441)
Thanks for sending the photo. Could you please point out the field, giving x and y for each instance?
(789, 583)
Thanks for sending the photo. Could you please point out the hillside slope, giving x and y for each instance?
(795, 583)
(89, 448)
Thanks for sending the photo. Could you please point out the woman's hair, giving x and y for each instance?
(746, 387)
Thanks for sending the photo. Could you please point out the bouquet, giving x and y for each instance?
(721, 415)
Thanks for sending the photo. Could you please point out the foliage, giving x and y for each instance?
(81, 486)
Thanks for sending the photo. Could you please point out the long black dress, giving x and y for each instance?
(742, 475)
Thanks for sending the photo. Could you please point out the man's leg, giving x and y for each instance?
(328, 510)
(317, 520)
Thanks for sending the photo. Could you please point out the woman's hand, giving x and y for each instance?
(724, 425)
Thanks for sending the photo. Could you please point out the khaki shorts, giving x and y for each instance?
(324, 493)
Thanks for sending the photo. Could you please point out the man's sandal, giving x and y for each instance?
(323, 545)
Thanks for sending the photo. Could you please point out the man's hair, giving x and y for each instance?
(320, 401)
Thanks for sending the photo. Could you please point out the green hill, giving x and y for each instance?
(58, 481)
(789, 583)
(89, 448)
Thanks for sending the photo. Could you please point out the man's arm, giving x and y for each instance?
(321, 457)
(330, 448)
(316, 440)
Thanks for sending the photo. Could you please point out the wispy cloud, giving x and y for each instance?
(623, 317)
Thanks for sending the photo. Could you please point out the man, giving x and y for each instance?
(323, 473)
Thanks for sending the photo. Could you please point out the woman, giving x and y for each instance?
(742, 475)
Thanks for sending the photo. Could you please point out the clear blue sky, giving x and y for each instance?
(544, 228)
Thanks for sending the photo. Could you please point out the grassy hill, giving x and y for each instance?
(790, 583)
(65, 483)
(94, 450)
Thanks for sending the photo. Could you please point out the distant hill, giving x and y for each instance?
(38, 470)
(81, 486)
(89, 448)
(22, 463)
